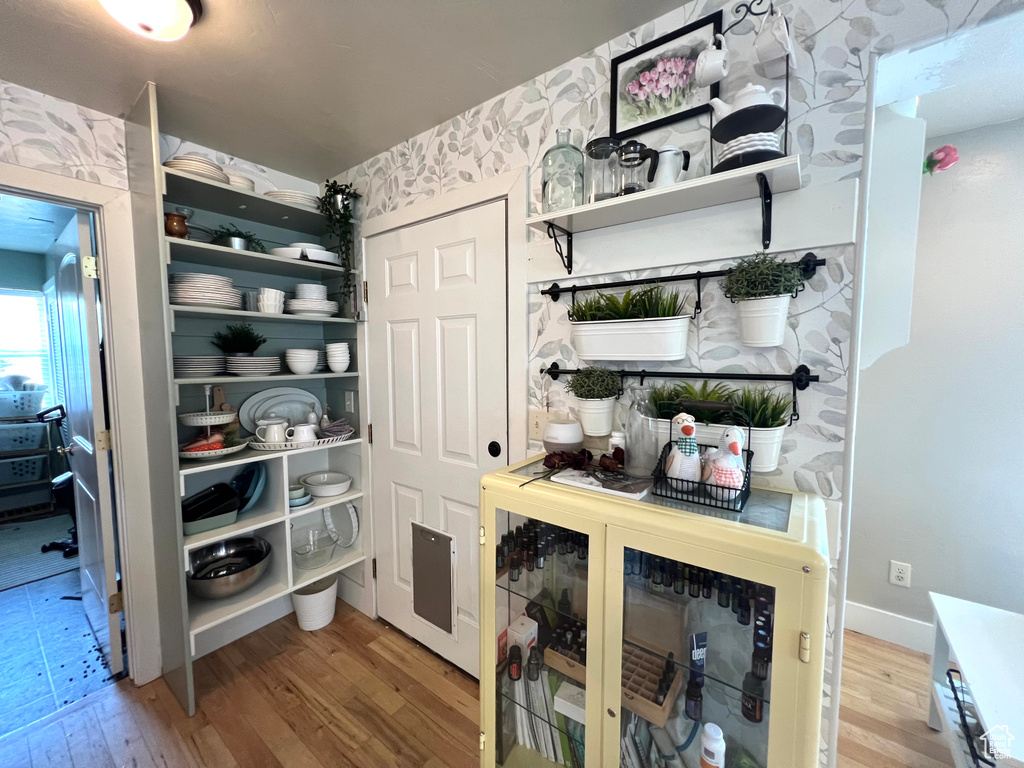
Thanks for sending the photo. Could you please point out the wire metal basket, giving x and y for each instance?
(705, 494)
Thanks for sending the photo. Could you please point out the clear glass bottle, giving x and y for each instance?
(561, 175)
(642, 448)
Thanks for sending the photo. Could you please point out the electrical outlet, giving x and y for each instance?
(538, 420)
(899, 573)
(350, 402)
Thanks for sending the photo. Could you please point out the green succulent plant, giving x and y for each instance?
(594, 384)
(760, 276)
(762, 407)
(671, 399)
(653, 301)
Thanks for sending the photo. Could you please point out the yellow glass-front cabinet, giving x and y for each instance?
(625, 632)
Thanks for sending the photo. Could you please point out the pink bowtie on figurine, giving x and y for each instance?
(683, 460)
(724, 468)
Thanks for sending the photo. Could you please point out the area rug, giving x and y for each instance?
(21, 560)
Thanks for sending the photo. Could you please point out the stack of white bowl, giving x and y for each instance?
(338, 357)
(301, 361)
(271, 301)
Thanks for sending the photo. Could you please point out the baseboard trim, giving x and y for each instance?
(900, 630)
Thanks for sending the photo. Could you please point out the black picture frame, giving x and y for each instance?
(713, 23)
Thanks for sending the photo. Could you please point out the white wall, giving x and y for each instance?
(941, 423)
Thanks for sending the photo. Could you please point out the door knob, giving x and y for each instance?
(494, 448)
(66, 451)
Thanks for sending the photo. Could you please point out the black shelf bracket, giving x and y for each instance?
(801, 378)
(566, 256)
(743, 10)
(766, 210)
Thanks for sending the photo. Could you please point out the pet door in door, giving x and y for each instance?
(433, 577)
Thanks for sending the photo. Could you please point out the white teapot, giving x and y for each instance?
(750, 96)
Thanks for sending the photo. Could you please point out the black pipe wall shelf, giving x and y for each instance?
(808, 266)
(801, 378)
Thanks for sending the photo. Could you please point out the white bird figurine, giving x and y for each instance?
(683, 461)
(724, 468)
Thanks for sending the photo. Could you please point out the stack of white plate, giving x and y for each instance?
(313, 291)
(253, 366)
(311, 307)
(294, 197)
(196, 366)
(321, 361)
(199, 290)
(751, 142)
(243, 182)
(338, 357)
(198, 166)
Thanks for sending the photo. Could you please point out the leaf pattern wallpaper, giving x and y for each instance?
(828, 91)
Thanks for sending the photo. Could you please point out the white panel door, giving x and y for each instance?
(437, 323)
(78, 308)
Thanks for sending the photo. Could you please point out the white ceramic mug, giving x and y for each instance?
(672, 162)
(301, 433)
(773, 44)
(273, 432)
(712, 64)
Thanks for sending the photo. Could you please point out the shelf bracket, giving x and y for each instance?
(766, 210)
(566, 257)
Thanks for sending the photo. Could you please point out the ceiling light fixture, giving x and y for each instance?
(163, 20)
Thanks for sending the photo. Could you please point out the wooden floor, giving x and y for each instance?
(360, 694)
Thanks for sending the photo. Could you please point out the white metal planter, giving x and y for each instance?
(662, 338)
(706, 434)
(766, 443)
(763, 321)
(596, 415)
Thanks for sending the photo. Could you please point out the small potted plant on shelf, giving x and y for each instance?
(233, 237)
(710, 405)
(761, 286)
(240, 340)
(766, 412)
(648, 324)
(596, 389)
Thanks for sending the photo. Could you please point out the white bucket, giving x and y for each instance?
(315, 603)
(766, 443)
(763, 321)
(596, 416)
(662, 338)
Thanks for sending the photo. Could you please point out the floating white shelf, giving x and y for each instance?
(208, 255)
(248, 455)
(213, 313)
(272, 377)
(704, 192)
(195, 192)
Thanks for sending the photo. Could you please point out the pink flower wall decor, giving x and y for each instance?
(941, 159)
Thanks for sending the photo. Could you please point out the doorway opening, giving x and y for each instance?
(61, 641)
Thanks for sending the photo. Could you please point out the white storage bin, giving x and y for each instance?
(13, 404)
(315, 603)
(26, 470)
(22, 437)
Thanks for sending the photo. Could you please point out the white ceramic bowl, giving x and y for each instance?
(271, 309)
(341, 346)
(301, 367)
(337, 366)
(302, 353)
(296, 491)
(326, 483)
(271, 293)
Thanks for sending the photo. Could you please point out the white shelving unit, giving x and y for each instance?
(190, 626)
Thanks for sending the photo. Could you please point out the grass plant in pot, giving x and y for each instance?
(711, 405)
(761, 287)
(240, 340)
(647, 324)
(597, 390)
(766, 412)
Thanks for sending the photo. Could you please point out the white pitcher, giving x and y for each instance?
(672, 163)
(272, 429)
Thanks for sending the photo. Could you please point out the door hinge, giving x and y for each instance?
(103, 440)
(366, 292)
(483, 536)
(483, 740)
(369, 433)
(115, 603)
(89, 267)
(373, 565)
(805, 647)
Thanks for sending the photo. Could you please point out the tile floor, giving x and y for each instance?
(49, 657)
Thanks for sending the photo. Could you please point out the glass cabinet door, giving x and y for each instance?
(696, 667)
(543, 604)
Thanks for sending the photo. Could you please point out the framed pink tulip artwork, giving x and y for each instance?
(655, 84)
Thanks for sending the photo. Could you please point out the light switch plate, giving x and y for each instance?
(538, 420)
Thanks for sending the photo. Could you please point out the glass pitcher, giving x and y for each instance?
(643, 448)
(633, 177)
(601, 169)
(561, 175)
